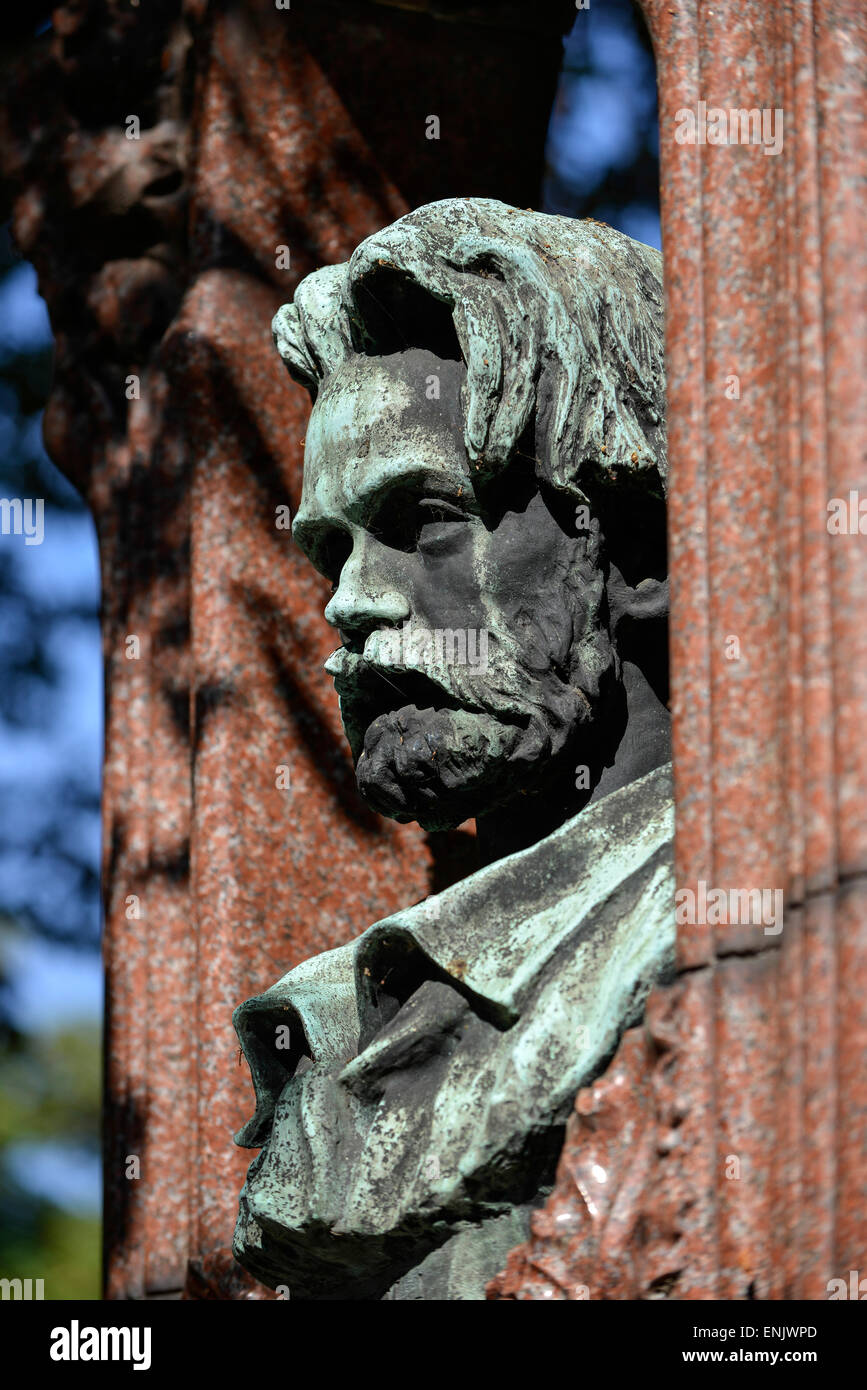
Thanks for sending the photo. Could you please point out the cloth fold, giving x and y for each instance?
(425, 1071)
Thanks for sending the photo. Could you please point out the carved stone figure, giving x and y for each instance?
(484, 487)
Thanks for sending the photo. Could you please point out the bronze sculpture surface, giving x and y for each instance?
(484, 487)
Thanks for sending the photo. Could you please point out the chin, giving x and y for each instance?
(443, 767)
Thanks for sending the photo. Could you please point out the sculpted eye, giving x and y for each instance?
(438, 509)
(441, 526)
(404, 521)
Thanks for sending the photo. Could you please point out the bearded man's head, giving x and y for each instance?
(484, 488)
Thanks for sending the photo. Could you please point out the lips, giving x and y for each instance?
(369, 690)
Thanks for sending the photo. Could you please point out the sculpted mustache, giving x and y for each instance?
(514, 696)
(356, 677)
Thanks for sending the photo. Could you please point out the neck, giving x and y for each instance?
(638, 742)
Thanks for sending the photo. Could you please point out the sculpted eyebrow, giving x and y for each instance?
(326, 542)
(377, 508)
(395, 514)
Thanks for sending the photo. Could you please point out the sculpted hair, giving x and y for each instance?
(559, 323)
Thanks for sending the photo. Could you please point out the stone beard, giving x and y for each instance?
(483, 487)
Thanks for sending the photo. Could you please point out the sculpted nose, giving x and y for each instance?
(367, 596)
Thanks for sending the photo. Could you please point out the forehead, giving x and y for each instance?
(381, 421)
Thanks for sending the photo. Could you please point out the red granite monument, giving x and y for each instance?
(176, 170)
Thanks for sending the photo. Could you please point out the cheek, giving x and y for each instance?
(448, 589)
(523, 564)
(529, 559)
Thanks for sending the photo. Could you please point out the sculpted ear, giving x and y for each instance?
(647, 600)
(639, 620)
